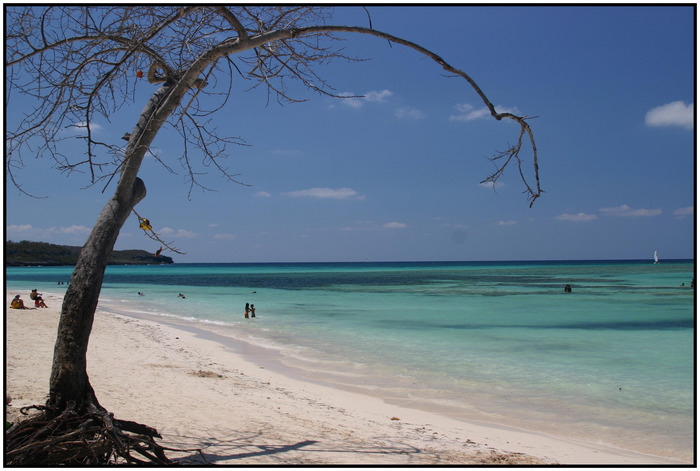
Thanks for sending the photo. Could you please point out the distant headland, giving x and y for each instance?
(27, 253)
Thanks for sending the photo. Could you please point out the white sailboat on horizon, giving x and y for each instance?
(656, 257)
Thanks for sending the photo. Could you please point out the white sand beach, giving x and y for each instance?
(199, 393)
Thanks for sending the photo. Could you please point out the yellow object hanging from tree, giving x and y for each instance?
(145, 224)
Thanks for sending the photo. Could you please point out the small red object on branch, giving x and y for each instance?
(139, 73)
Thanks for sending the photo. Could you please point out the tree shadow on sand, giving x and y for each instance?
(215, 451)
(262, 450)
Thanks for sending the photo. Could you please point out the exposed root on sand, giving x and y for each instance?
(93, 438)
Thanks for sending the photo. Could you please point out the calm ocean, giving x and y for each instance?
(611, 362)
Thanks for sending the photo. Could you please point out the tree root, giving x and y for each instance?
(93, 438)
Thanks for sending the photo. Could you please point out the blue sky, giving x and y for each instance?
(395, 175)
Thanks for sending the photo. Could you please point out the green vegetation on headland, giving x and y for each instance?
(27, 253)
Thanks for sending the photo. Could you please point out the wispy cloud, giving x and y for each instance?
(468, 112)
(506, 223)
(15, 230)
(378, 96)
(83, 125)
(395, 225)
(626, 211)
(580, 217)
(178, 234)
(18, 229)
(373, 96)
(492, 185)
(73, 230)
(326, 193)
(48, 234)
(409, 113)
(676, 113)
(263, 194)
(80, 128)
(683, 212)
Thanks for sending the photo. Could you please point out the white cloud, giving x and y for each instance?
(492, 185)
(626, 211)
(468, 112)
(74, 230)
(676, 113)
(408, 113)
(19, 229)
(80, 129)
(28, 229)
(326, 193)
(506, 223)
(262, 194)
(373, 96)
(682, 212)
(503, 109)
(180, 233)
(580, 217)
(352, 100)
(395, 225)
(378, 96)
(81, 126)
(53, 234)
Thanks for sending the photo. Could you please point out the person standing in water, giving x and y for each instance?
(252, 310)
(247, 310)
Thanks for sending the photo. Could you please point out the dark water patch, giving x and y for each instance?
(668, 324)
(671, 324)
(434, 279)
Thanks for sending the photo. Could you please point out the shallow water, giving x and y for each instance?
(612, 362)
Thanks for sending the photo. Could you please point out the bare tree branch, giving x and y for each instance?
(145, 224)
(286, 43)
(533, 193)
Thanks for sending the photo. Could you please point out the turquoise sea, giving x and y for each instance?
(611, 362)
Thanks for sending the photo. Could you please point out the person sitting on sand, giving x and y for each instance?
(33, 295)
(17, 303)
(39, 302)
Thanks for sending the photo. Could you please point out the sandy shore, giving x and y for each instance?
(199, 393)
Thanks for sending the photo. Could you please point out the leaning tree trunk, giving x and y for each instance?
(70, 387)
(74, 428)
